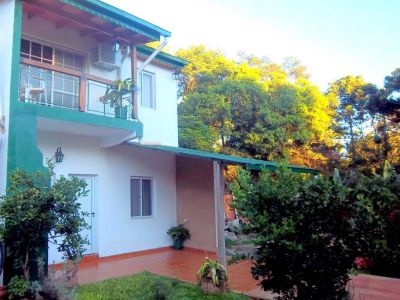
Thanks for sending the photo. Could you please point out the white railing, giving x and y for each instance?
(50, 85)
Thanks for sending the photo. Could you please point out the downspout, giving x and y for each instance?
(151, 57)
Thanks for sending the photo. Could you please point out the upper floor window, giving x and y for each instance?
(148, 90)
(52, 55)
(141, 197)
(36, 51)
(69, 60)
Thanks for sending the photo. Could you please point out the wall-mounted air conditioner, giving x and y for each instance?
(104, 57)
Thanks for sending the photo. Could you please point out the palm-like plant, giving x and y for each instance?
(115, 93)
(212, 276)
(179, 234)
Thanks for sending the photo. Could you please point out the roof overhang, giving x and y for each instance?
(250, 163)
(93, 16)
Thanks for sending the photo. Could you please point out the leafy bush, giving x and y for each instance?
(377, 227)
(311, 232)
(35, 213)
(303, 233)
(18, 288)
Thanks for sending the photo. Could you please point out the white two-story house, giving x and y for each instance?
(57, 59)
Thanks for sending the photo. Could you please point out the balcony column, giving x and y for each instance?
(82, 93)
(134, 76)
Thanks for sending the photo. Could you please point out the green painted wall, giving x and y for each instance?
(22, 149)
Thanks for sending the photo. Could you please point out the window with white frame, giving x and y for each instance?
(141, 197)
(148, 90)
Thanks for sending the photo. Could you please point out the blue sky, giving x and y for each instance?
(333, 38)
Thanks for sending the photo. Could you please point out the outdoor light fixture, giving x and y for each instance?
(116, 47)
(176, 75)
(59, 155)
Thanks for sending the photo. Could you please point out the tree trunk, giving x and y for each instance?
(386, 146)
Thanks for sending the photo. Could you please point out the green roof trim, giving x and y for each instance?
(163, 57)
(119, 17)
(255, 164)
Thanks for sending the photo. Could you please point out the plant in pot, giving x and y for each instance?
(179, 234)
(212, 277)
(115, 94)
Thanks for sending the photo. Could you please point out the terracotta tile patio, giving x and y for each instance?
(184, 264)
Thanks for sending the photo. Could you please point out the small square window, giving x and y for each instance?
(141, 197)
(25, 48)
(148, 90)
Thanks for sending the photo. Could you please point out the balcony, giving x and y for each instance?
(50, 85)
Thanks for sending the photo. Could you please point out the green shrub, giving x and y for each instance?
(18, 288)
(303, 230)
(378, 220)
(35, 212)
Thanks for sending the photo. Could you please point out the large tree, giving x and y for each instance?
(350, 115)
(254, 107)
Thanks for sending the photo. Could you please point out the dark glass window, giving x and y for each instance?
(141, 197)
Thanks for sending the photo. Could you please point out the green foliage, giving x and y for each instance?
(310, 230)
(212, 271)
(18, 288)
(303, 232)
(194, 134)
(115, 93)
(35, 213)
(253, 108)
(351, 109)
(141, 286)
(179, 232)
(378, 220)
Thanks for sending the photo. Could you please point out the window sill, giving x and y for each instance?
(142, 217)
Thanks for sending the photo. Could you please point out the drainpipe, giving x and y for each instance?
(151, 57)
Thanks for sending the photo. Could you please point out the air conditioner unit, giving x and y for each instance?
(104, 57)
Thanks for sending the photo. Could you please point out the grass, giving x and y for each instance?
(147, 286)
(231, 243)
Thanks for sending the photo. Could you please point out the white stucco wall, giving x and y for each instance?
(161, 123)
(117, 232)
(6, 44)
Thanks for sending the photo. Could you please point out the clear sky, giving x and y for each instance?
(332, 38)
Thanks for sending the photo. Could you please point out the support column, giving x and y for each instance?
(219, 210)
(134, 76)
(82, 93)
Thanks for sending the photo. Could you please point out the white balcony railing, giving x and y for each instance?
(46, 84)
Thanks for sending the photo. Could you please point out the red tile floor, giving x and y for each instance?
(184, 264)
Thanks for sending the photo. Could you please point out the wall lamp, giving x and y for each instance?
(59, 155)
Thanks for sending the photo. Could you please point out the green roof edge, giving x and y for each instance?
(248, 162)
(118, 16)
(162, 56)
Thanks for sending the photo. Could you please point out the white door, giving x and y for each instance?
(88, 204)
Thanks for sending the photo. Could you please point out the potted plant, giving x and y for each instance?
(114, 96)
(179, 234)
(212, 277)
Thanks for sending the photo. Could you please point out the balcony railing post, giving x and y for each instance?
(134, 76)
(82, 93)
